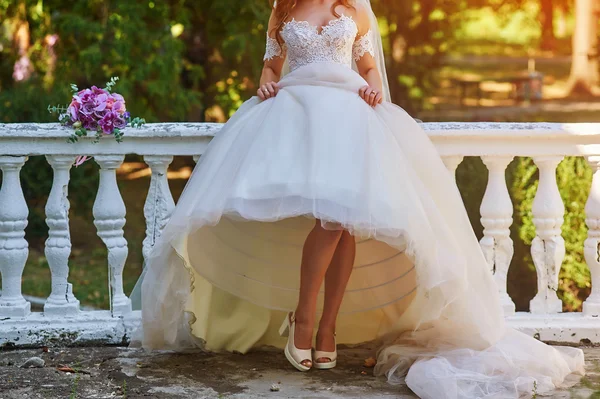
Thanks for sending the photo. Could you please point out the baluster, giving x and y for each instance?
(109, 219)
(58, 245)
(14, 249)
(159, 202)
(548, 247)
(496, 218)
(452, 162)
(591, 246)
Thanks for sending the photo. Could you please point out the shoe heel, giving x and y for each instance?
(294, 355)
(284, 330)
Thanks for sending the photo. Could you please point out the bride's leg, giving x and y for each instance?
(336, 280)
(319, 248)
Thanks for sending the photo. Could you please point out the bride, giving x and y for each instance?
(321, 181)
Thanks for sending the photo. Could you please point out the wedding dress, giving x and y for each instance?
(226, 268)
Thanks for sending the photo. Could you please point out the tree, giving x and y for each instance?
(585, 75)
(417, 34)
(547, 20)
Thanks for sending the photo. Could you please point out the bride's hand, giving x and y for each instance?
(370, 95)
(268, 90)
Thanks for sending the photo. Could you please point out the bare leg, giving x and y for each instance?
(318, 252)
(336, 280)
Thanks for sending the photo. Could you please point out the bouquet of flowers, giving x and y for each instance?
(97, 110)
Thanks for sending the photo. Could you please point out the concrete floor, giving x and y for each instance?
(115, 372)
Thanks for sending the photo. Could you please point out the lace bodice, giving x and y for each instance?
(304, 44)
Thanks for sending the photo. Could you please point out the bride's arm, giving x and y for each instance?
(363, 53)
(274, 59)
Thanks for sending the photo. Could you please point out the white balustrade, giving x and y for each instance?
(58, 245)
(159, 202)
(548, 247)
(14, 249)
(496, 218)
(497, 144)
(452, 162)
(109, 219)
(591, 247)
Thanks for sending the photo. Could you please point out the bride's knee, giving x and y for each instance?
(334, 230)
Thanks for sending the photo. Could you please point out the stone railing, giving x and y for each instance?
(63, 320)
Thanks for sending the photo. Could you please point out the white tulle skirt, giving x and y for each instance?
(227, 266)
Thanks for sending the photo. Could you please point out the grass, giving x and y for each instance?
(75, 383)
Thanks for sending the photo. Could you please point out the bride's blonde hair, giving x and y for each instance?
(283, 8)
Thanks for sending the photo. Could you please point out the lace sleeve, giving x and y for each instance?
(363, 45)
(273, 49)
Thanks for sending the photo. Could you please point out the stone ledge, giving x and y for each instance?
(88, 328)
(99, 328)
(565, 328)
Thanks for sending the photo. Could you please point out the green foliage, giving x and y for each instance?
(518, 27)
(96, 40)
(416, 36)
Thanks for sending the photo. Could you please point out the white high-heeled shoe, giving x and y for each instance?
(294, 355)
(332, 356)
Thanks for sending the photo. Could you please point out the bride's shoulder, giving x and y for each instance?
(361, 17)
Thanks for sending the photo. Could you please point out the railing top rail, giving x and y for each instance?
(451, 138)
(195, 129)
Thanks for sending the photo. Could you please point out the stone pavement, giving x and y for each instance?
(115, 372)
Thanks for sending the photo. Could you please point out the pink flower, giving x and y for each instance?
(119, 107)
(51, 40)
(81, 159)
(73, 109)
(22, 69)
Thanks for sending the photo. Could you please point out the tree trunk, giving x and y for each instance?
(22, 68)
(585, 76)
(547, 18)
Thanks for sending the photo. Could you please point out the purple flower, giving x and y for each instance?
(98, 91)
(97, 109)
(120, 121)
(85, 96)
(107, 123)
(100, 102)
(87, 109)
(110, 121)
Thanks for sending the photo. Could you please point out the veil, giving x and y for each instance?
(378, 46)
